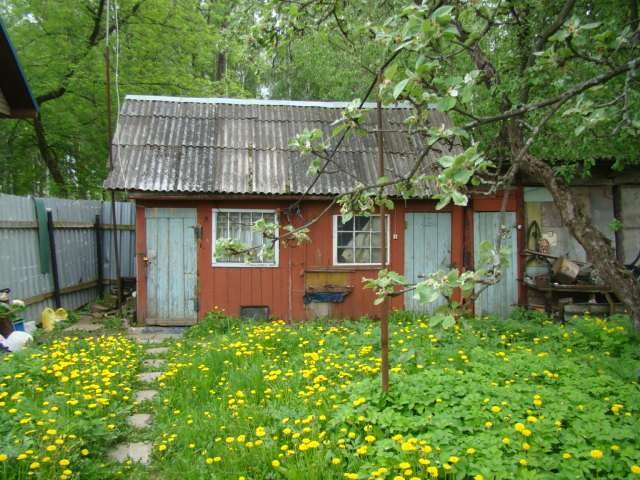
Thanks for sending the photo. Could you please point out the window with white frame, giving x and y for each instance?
(357, 241)
(238, 225)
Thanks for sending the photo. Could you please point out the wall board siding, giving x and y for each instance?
(282, 288)
(497, 299)
(427, 250)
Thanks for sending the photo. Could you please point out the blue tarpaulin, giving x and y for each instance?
(321, 297)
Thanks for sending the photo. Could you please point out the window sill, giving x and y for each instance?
(243, 265)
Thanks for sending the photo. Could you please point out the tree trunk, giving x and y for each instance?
(221, 65)
(48, 156)
(578, 221)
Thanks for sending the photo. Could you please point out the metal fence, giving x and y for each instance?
(76, 226)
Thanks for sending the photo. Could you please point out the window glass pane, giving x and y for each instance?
(375, 239)
(363, 223)
(344, 239)
(362, 240)
(221, 225)
(345, 227)
(363, 255)
(363, 244)
(239, 226)
(345, 255)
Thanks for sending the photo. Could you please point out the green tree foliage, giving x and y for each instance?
(163, 47)
(541, 90)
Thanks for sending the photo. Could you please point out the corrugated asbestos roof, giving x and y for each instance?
(220, 145)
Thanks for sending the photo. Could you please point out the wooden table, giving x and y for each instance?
(550, 290)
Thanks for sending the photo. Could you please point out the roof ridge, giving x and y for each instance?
(257, 101)
(261, 149)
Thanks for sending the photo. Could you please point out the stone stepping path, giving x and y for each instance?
(145, 395)
(140, 452)
(140, 420)
(157, 350)
(154, 362)
(148, 377)
(154, 337)
(83, 327)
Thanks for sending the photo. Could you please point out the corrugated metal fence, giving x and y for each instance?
(76, 250)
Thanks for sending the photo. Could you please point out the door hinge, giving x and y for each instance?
(196, 305)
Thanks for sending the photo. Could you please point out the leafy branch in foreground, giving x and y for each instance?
(544, 91)
(444, 284)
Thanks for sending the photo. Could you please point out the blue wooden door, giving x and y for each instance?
(427, 248)
(171, 267)
(500, 298)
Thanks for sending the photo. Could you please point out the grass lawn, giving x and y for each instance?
(519, 398)
(62, 404)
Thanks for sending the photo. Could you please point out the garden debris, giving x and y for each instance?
(49, 317)
(85, 323)
(565, 271)
(99, 308)
(16, 341)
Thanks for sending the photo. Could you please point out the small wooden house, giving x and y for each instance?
(200, 169)
(16, 100)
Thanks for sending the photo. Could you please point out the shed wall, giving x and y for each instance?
(282, 287)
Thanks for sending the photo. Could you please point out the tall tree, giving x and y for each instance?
(544, 89)
(158, 47)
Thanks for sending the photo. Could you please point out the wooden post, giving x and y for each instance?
(384, 320)
(617, 214)
(116, 251)
(54, 261)
(99, 256)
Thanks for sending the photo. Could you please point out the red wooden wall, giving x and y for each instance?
(282, 288)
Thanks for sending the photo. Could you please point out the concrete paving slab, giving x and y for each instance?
(139, 452)
(140, 420)
(83, 327)
(154, 337)
(148, 377)
(154, 362)
(145, 395)
(157, 350)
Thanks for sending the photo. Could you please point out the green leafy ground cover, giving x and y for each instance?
(518, 398)
(63, 403)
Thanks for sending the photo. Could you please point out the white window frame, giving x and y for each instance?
(335, 242)
(214, 221)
